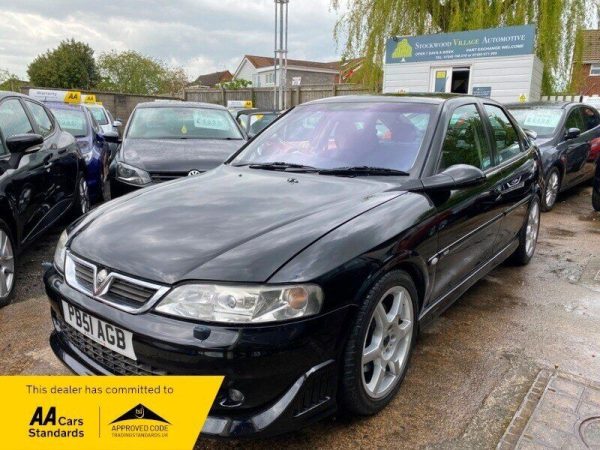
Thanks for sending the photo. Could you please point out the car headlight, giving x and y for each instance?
(61, 252)
(132, 175)
(242, 304)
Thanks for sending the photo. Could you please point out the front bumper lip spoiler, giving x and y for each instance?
(278, 418)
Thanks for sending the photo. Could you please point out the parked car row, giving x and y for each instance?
(298, 257)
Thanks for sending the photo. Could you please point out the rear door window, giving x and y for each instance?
(590, 118)
(505, 135)
(465, 141)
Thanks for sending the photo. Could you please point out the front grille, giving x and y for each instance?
(130, 294)
(110, 360)
(159, 177)
(126, 291)
(85, 276)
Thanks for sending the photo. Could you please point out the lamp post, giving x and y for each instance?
(280, 54)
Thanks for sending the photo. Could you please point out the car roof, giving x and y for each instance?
(546, 105)
(430, 98)
(257, 111)
(62, 105)
(4, 94)
(179, 104)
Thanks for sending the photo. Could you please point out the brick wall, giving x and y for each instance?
(590, 85)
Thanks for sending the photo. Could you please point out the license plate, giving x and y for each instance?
(106, 334)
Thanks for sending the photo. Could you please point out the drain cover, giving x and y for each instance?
(589, 430)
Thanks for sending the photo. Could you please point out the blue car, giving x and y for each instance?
(77, 120)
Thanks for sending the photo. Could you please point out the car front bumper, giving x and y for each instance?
(287, 373)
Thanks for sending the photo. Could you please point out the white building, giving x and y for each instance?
(259, 70)
(499, 63)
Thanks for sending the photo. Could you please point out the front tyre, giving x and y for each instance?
(552, 189)
(82, 198)
(7, 265)
(528, 235)
(380, 344)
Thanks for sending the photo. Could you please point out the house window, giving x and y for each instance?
(595, 70)
(269, 78)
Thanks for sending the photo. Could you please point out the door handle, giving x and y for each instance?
(47, 161)
(62, 151)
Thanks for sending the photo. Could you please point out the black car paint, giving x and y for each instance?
(167, 159)
(571, 156)
(38, 187)
(238, 224)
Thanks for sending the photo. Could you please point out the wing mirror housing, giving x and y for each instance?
(531, 134)
(117, 123)
(454, 177)
(111, 137)
(24, 143)
(572, 133)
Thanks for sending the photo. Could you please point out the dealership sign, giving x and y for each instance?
(493, 42)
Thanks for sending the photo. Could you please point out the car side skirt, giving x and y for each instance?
(443, 303)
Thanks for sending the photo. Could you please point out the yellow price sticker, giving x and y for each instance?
(99, 413)
(440, 74)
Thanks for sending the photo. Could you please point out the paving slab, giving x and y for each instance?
(560, 411)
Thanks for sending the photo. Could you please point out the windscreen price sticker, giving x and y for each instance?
(100, 413)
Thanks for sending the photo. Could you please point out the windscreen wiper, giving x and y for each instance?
(284, 166)
(363, 170)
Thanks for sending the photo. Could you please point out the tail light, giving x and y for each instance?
(595, 149)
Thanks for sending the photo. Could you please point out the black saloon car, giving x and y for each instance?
(566, 134)
(302, 268)
(42, 176)
(168, 140)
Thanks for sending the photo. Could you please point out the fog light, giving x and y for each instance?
(234, 399)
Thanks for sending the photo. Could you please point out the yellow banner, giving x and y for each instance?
(101, 413)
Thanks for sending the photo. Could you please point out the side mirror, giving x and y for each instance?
(572, 133)
(111, 136)
(531, 134)
(24, 143)
(117, 123)
(454, 177)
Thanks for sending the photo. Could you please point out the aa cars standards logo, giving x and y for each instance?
(140, 422)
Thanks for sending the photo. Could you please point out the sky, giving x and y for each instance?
(202, 36)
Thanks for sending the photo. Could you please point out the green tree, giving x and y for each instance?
(365, 26)
(133, 73)
(238, 83)
(70, 65)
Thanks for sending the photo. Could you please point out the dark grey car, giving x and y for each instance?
(565, 132)
(168, 140)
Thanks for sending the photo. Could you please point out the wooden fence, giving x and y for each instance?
(263, 97)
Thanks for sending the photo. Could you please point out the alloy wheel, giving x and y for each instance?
(533, 226)
(552, 189)
(7, 265)
(84, 196)
(387, 343)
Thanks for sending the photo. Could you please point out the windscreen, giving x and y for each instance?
(259, 122)
(182, 123)
(541, 120)
(99, 115)
(71, 120)
(332, 135)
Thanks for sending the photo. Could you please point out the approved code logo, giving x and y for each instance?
(138, 426)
